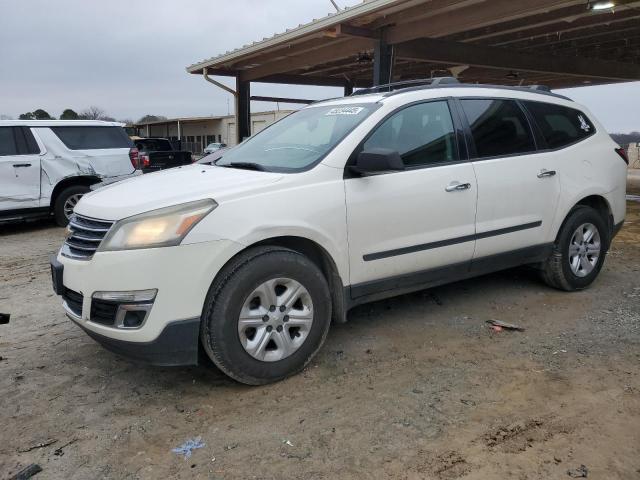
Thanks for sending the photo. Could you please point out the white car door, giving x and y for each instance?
(518, 189)
(416, 226)
(19, 169)
(91, 149)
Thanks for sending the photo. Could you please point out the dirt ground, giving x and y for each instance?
(416, 387)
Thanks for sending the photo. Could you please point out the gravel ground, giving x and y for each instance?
(415, 387)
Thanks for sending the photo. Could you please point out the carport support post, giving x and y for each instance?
(348, 89)
(243, 109)
(381, 63)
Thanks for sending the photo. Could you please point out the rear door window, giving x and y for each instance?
(91, 138)
(498, 127)
(422, 134)
(7, 141)
(560, 126)
(30, 145)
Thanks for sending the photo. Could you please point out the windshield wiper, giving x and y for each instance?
(244, 165)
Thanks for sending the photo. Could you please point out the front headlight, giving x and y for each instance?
(164, 227)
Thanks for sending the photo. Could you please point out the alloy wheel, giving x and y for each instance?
(275, 319)
(70, 204)
(584, 249)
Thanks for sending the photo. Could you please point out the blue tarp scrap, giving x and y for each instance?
(189, 446)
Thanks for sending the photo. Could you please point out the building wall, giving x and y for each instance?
(197, 134)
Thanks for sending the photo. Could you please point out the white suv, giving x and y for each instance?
(346, 201)
(47, 165)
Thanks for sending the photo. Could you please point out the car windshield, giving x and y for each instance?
(298, 141)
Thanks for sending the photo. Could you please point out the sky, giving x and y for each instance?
(128, 57)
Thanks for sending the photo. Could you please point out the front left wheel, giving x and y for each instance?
(266, 315)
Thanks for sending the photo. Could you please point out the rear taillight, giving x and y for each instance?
(144, 160)
(623, 155)
(134, 157)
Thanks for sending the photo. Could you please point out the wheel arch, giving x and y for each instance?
(86, 180)
(601, 205)
(596, 201)
(321, 257)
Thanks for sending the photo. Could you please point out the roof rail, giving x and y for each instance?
(388, 87)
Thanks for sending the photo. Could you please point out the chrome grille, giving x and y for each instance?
(85, 235)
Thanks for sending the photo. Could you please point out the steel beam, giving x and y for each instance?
(442, 51)
(382, 62)
(281, 100)
(243, 110)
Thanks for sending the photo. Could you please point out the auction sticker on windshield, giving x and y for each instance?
(344, 111)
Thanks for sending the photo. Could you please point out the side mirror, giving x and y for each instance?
(376, 161)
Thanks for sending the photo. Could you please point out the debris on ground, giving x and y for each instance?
(46, 443)
(58, 452)
(4, 318)
(498, 325)
(27, 472)
(189, 446)
(580, 472)
(231, 446)
(288, 443)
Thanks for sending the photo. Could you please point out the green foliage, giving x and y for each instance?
(38, 114)
(69, 114)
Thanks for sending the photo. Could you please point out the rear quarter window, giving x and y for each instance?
(92, 138)
(560, 126)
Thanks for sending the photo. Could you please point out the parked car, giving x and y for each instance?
(211, 158)
(213, 147)
(159, 154)
(46, 166)
(343, 202)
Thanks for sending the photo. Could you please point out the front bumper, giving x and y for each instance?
(181, 275)
(177, 344)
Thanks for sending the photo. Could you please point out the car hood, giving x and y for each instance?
(171, 187)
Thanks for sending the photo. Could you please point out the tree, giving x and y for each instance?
(69, 114)
(151, 118)
(95, 113)
(38, 114)
(92, 113)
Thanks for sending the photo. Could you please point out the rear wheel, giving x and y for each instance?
(266, 315)
(579, 251)
(66, 202)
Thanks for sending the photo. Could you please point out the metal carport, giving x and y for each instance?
(559, 43)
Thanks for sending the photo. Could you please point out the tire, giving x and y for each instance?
(557, 270)
(69, 194)
(243, 285)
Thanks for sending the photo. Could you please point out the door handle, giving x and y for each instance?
(21, 165)
(546, 173)
(457, 186)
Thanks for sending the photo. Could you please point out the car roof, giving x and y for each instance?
(59, 123)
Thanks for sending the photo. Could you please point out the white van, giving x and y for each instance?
(343, 202)
(46, 166)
